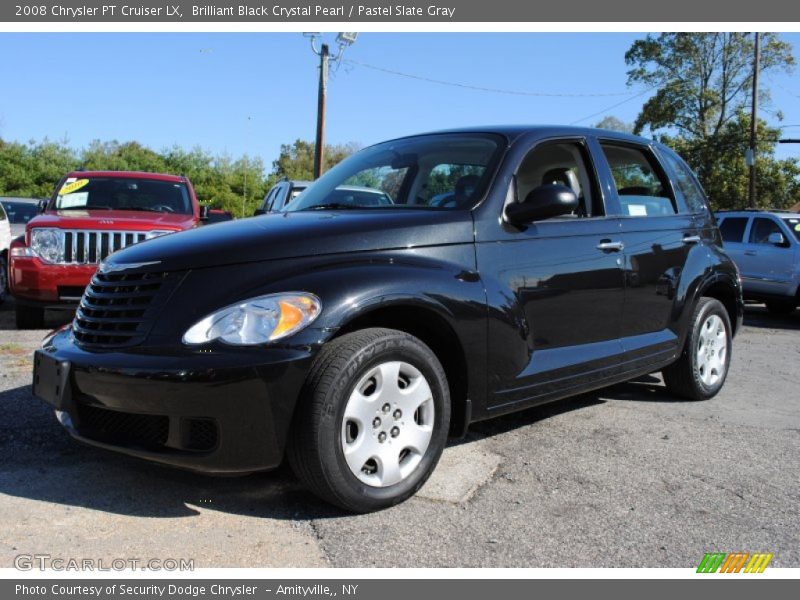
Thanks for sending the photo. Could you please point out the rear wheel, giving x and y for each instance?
(781, 307)
(29, 317)
(372, 420)
(700, 372)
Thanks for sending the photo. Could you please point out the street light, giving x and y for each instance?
(344, 40)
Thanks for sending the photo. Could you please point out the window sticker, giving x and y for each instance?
(637, 210)
(797, 227)
(73, 186)
(73, 200)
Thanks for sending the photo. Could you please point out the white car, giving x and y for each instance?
(5, 242)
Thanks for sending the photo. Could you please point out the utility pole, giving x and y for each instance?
(344, 40)
(319, 148)
(754, 123)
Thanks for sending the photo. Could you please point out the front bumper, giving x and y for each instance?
(214, 412)
(37, 283)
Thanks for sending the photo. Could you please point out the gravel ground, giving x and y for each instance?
(624, 477)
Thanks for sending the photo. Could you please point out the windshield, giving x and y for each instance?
(793, 223)
(449, 171)
(20, 213)
(123, 193)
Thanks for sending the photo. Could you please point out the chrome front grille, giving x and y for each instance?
(90, 247)
(118, 309)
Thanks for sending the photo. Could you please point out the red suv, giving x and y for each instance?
(90, 215)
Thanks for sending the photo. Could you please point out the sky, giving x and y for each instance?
(248, 93)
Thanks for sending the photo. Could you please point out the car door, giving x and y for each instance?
(732, 229)
(658, 233)
(557, 285)
(767, 267)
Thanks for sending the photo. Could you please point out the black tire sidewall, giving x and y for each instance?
(3, 280)
(704, 310)
(355, 494)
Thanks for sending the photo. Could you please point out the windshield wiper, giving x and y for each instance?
(142, 208)
(85, 208)
(332, 206)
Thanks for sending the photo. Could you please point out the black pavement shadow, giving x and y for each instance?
(40, 461)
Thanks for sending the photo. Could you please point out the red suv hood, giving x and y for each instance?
(116, 220)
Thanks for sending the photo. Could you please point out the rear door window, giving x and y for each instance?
(732, 229)
(643, 189)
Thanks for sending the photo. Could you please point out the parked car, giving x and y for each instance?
(19, 212)
(5, 243)
(766, 247)
(280, 195)
(90, 215)
(217, 215)
(354, 339)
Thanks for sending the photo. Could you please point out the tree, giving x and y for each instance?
(702, 83)
(614, 124)
(296, 161)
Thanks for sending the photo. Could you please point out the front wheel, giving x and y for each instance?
(372, 420)
(701, 370)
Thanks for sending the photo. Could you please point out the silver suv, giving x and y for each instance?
(766, 247)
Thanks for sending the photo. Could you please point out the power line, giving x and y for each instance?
(483, 88)
(613, 106)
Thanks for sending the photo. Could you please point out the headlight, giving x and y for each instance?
(257, 320)
(48, 244)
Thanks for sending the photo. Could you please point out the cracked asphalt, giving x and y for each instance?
(624, 477)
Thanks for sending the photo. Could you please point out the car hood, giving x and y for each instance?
(119, 220)
(298, 234)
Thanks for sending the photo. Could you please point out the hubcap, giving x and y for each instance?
(712, 349)
(387, 424)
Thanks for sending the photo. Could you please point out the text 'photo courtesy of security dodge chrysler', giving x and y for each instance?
(502, 268)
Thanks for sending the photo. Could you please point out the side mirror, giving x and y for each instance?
(544, 202)
(776, 239)
(258, 212)
(42, 206)
(204, 212)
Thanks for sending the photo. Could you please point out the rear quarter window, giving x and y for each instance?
(686, 183)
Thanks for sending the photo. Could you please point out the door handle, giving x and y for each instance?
(609, 246)
(691, 239)
(750, 253)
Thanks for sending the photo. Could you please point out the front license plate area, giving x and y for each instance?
(51, 380)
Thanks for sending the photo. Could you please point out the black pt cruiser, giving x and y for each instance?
(495, 269)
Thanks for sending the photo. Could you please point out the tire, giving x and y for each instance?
(781, 307)
(29, 317)
(3, 279)
(340, 446)
(700, 372)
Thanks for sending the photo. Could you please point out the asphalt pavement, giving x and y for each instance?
(628, 476)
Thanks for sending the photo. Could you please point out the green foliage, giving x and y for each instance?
(235, 185)
(777, 181)
(614, 124)
(296, 161)
(700, 106)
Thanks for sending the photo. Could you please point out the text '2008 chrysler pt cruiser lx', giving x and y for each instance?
(513, 266)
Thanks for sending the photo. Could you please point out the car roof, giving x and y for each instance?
(22, 200)
(512, 132)
(129, 175)
(746, 212)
